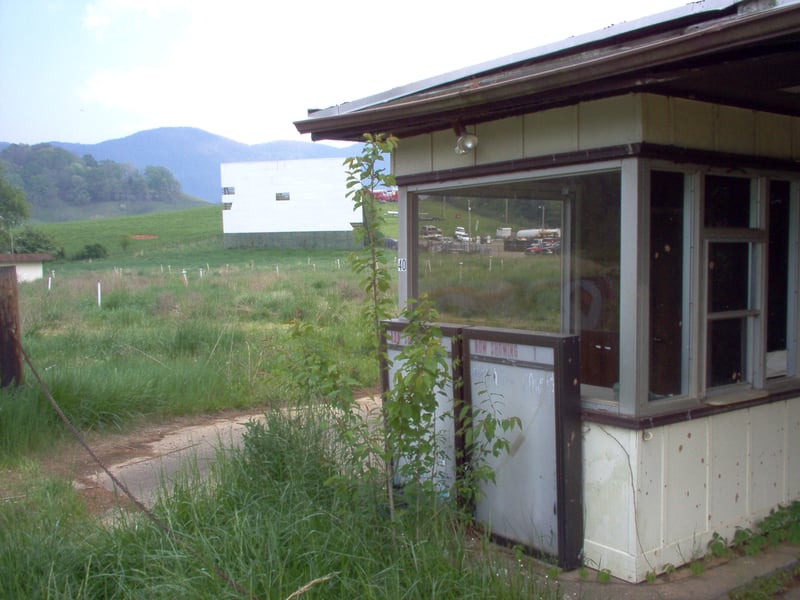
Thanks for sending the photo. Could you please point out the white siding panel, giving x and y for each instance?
(773, 135)
(551, 131)
(650, 497)
(499, 140)
(793, 450)
(735, 130)
(609, 122)
(413, 155)
(608, 488)
(730, 435)
(693, 124)
(767, 456)
(685, 482)
(444, 154)
(656, 119)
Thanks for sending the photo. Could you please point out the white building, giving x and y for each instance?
(287, 204)
(29, 266)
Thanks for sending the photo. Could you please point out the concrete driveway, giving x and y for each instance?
(183, 452)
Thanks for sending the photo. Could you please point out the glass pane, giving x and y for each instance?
(728, 276)
(491, 255)
(727, 201)
(594, 276)
(778, 273)
(666, 283)
(726, 352)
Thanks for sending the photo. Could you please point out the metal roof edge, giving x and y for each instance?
(702, 7)
(696, 37)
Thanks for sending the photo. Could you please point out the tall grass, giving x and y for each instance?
(280, 513)
(161, 342)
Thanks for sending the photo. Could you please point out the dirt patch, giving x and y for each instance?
(70, 460)
(143, 236)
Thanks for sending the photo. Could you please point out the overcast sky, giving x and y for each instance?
(76, 71)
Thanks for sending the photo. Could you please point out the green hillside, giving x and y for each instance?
(140, 235)
(184, 238)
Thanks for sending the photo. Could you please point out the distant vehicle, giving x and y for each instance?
(431, 232)
(532, 234)
(461, 234)
(544, 246)
(385, 195)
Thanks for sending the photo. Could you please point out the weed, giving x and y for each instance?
(718, 546)
(773, 585)
(697, 567)
(553, 572)
(604, 576)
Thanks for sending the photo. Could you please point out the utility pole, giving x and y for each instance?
(10, 348)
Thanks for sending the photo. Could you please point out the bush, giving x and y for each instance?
(34, 241)
(91, 251)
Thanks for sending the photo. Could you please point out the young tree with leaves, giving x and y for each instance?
(13, 210)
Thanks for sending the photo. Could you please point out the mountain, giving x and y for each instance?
(193, 155)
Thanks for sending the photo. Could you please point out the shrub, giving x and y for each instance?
(92, 251)
(34, 241)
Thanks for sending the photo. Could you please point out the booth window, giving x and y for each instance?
(743, 305)
(536, 254)
(546, 254)
(666, 284)
(778, 270)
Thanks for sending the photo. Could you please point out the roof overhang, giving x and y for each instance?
(734, 53)
(17, 259)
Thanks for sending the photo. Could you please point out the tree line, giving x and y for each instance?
(52, 177)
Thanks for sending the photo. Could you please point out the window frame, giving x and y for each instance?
(634, 330)
(696, 314)
(592, 396)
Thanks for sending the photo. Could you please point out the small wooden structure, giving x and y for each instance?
(29, 267)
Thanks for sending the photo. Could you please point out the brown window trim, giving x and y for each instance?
(641, 150)
(682, 415)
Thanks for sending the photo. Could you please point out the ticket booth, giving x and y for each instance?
(662, 155)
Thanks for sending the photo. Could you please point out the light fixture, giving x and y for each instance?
(466, 142)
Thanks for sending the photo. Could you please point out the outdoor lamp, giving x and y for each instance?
(466, 142)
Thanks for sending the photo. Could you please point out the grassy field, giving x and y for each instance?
(183, 326)
(128, 238)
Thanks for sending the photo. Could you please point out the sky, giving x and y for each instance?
(89, 71)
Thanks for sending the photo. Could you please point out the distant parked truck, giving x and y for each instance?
(528, 234)
(431, 232)
(461, 234)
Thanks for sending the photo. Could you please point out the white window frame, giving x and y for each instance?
(697, 238)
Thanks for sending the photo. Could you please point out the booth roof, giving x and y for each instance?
(740, 53)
